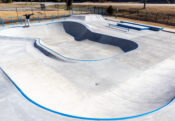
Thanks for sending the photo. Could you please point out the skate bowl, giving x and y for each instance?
(68, 34)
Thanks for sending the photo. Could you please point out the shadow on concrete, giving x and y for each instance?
(81, 32)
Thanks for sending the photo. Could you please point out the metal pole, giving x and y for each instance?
(72, 11)
(17, 12)
(58, 9)
(52, 18)
(2, 21)
(145, 1)
(31, 7)
(100, 11)
(38, 19)
(21, 19)
(12, 20)
(58, 15)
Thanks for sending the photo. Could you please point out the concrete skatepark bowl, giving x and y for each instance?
(83, 72)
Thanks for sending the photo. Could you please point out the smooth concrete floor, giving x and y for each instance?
(130, 84)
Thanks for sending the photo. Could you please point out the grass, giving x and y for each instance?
(12, 5)
(21, 13)
(151, 9)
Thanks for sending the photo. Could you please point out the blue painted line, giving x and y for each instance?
(67, 115)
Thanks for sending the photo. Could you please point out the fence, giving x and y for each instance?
(39, 18)
(168, 19)
(138, 14)
(147, 16)
(34, 18)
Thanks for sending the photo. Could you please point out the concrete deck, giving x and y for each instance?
(131, 81)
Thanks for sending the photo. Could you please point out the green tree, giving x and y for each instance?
(102, 0)
(145, 1)
(69, 4)
(8, 1)
(57, 0)
(110, 10)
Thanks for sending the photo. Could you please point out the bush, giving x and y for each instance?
(8, 1)
(102, 0)
(57, 0)
(110, 10)
(69, 4)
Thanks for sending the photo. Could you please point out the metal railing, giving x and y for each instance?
(38, 18)
(118, 27)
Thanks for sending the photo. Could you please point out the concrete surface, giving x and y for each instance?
(133, 83)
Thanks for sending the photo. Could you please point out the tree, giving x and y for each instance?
(110, 10)
(8, 1)
(145, 1)
(69, 4)
(168, 2)
(102, 0)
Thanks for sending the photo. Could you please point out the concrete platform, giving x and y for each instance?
(138, 26)
(87, 70)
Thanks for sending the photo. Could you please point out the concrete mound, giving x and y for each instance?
(88, 18)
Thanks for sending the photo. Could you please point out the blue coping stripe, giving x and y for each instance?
(154, 28)
(68, 115)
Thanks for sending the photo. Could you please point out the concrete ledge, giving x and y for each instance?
(154, 28)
